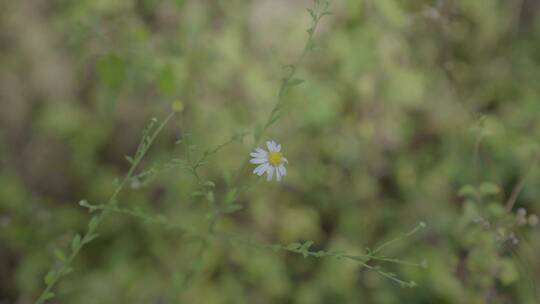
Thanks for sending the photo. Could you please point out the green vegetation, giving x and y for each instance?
(411, 130)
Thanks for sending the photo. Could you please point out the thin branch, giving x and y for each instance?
(521, 184)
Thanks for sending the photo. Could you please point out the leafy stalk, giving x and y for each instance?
(296, 248)
(78, 242)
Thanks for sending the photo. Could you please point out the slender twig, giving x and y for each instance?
(285, 84)
(521, 184)
(90, 234)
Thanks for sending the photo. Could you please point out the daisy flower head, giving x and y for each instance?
(270, 162)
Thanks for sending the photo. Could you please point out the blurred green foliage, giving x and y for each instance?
(423, 110)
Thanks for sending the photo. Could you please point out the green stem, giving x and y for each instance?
(90, 233)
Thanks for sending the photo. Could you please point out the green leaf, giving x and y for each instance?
(76, 243)
(60, 255)
(90, 238)
(230, 196)
(129, 159)
(67, 271)
(228, 178)
(275, 117)
(48, 296)
(307, 245)
(93, 223)
(508, 273)
(49, 278)
(312, 13)
(321, 253)
(293, 246)
(305, 248)
(488, 188)
(210, 196)
(496, 209)
(197, 193)
(232, 208)
(257, 133)
(468, 191)
(166, 80)
(111, 70)
(209, 184)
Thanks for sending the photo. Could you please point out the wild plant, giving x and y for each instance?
(492, 230)
(221, 201)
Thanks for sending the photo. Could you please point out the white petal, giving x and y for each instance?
(270, 146)
(270, 172)
(278, 175)
(258, 160)
(275, 145)
(258, 155)
(278, 147)
(259, 150)
(260, 169)
(284, 160)
(282, 170)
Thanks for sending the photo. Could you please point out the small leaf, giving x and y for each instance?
(496, 209)
(228, 177)
(60, 255)
(508, 272)
(305, 248)
(129, 159)
(210, 196)
(49, 278)
(230, 196)
(468, 191)
(321, 253)
(209, 184)
(232, 208)
(84, 203)
(257, 133)
(411, 284)
(166, 80)
(293, 246)
(312, 13)
(307, 244)
(111, 70)
(76, 243)
(275, 117)
(48, 296)
(197, 193)
(67, 271)
(90, 238)
(489, 188)
(93, 223)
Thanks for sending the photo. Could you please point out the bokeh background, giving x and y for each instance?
(404, 103)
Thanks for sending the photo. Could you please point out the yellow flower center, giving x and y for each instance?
(274, 158)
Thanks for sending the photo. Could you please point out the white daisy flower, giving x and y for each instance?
(269, 161)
